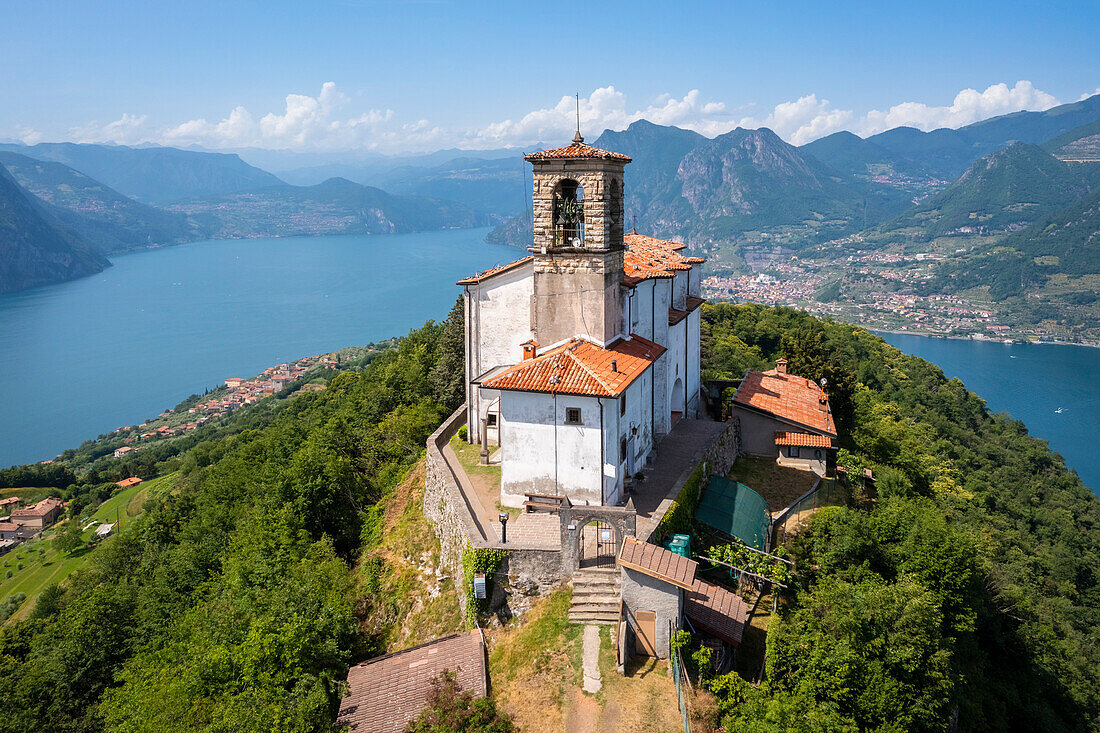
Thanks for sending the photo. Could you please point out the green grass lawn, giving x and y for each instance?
(43, 565)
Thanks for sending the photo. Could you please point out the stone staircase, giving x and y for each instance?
(596, 596)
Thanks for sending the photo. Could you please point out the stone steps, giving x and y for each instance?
(596, 596)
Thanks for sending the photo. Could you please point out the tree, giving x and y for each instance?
(69, 537)
(451, 710)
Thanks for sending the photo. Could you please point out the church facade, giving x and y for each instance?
(581, 356)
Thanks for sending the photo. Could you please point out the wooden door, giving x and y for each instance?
(645, 627)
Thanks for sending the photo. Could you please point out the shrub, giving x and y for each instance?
(486, 561)
(451, 710)
(463, 433)
(677, 519)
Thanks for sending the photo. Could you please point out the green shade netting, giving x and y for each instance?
(735, 509)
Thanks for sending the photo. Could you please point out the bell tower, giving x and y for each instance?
(578, 243)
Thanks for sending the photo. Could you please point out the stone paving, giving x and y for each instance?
(590, 659)
(679, 452)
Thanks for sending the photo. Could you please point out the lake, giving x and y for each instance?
(1053, 389)
(81, 358)
(84, 357)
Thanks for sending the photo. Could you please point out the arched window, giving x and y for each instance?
(615, 205)
(568, 214)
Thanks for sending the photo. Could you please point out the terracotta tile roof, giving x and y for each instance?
(494, 271)
(657, 562)
(792, 398)
(581, 367)
(575, 150)
(40, 509)
(384, 694)
(675, 315)
(127, 482)
(648, 257)
(806, 440)
(716, 611)
(9, 527)
(9, 500)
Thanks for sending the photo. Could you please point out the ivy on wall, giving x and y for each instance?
(677, 519)
(481, 560)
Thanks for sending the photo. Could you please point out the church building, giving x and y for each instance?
(583, 355)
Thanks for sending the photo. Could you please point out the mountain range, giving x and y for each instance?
(153, 175)
(337, 206)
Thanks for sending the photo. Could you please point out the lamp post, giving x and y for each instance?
(503, 517)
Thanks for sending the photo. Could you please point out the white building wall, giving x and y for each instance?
(694, 365)
(680, 289)
(677, 368)
(542, 455)
(498, 320)
(638, 309)
(635, 426)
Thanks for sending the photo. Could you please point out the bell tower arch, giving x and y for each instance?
(578, 242)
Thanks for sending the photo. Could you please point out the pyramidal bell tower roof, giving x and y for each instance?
(578, 149)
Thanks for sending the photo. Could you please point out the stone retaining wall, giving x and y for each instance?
(530, 571)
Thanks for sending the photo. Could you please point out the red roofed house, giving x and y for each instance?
(40, 515)
(9, 530)
(581, 356)
(659, 588)
(385, 693)
(786, 417)
(128, 482)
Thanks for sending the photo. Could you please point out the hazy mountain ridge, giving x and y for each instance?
(102, 216)
(34, 248)
(154, 174)
(337, 206)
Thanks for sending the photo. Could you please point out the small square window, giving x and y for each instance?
(572, 416)
(491, 419)
(817, 455)
(792, 451)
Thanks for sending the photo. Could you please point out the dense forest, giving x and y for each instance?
(965, 591)
(228, 604)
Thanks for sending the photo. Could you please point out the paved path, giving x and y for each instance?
(679, 451)
(591, 659)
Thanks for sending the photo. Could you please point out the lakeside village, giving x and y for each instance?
(880, 294)
(234, 393)
(590, 455)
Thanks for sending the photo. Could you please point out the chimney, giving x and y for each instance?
(781, 366)
(529, 348)
(614, 365)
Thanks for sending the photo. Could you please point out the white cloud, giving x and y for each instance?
(333, 121)
(28, 135)
(970, 105)
(803, 120)
(606, 108)
(1086, 95)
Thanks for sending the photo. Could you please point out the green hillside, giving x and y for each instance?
(1006, 190)
(101, 215)
(1081, 144)
(36, 249)
(851, 155)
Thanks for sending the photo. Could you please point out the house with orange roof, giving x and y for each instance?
(787, 417)
(582, 355)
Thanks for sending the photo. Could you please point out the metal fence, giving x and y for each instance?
(826, 492)
(678, 673)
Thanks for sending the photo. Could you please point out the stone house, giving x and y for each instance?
(40, 515)
(786, 417)
(661, 594)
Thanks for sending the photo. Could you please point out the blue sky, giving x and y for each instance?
(424, 75)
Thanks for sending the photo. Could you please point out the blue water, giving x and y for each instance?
(82, 358)
(1053, 389)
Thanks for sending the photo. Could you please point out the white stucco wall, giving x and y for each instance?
(680, 289)
(498, 320)
(677, 367)
(543, 455)
(694, 365)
